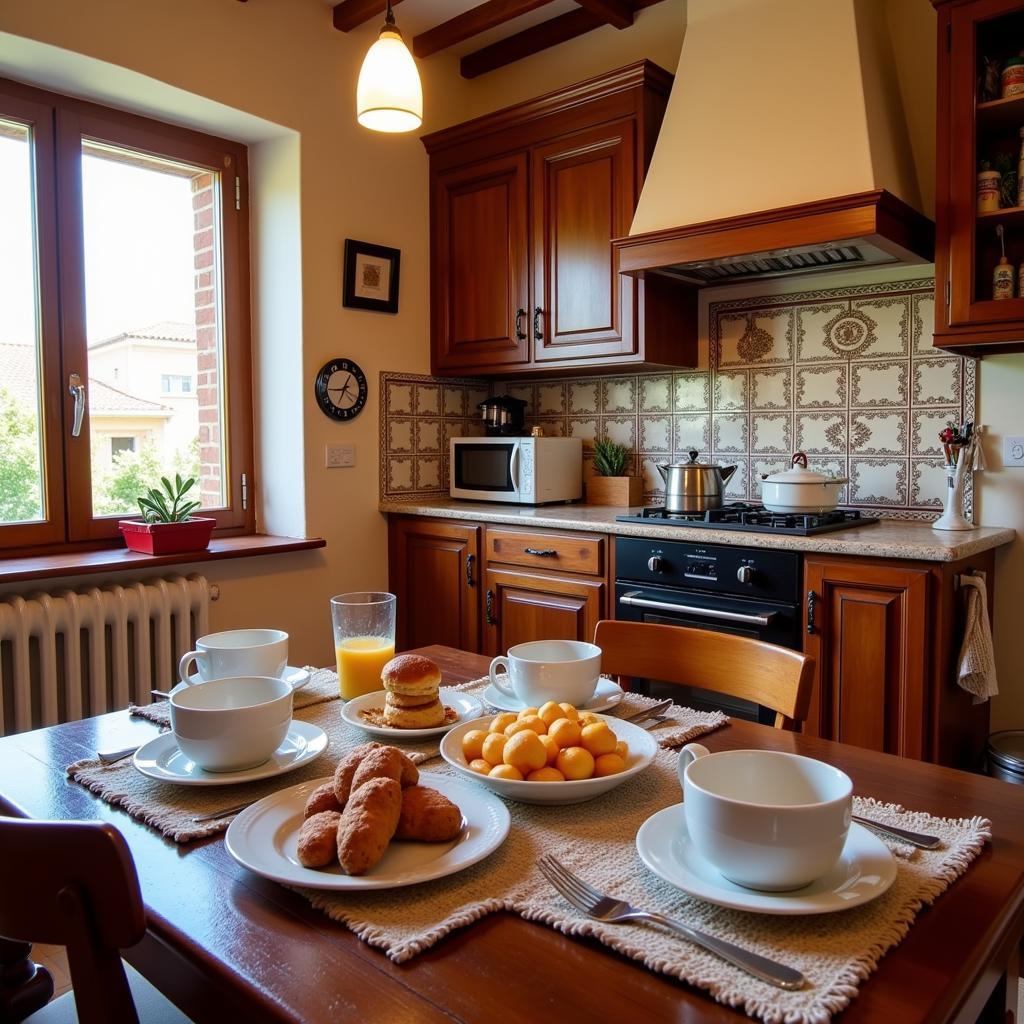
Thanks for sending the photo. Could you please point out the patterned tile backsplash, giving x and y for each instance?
(847, 375)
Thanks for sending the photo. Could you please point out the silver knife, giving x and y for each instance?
(655, 709)
(113, 756)
(903, 835)
(214, 815)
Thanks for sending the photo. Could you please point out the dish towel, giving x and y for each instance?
(976, 671)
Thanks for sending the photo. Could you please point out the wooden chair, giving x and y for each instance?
(74, 884)
(775, 677)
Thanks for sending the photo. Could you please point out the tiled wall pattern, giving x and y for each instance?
(847, 375)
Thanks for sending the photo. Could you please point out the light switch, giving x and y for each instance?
(1013, 451)
(340, 456)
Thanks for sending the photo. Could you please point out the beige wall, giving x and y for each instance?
(281, 61)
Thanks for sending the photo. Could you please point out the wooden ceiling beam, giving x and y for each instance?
(350, 14)
(615, 12)
(481, 18)
(536, 38)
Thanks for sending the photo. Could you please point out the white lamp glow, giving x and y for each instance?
(389, 97)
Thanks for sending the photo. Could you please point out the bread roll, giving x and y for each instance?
(412, 676)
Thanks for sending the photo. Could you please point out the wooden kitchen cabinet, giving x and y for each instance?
(565, 169)
(434, 571)
(885, 638)
(968, 321)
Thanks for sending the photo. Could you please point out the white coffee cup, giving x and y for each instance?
(237, 652)
(542, 670)
(765, 819)
(231, 724)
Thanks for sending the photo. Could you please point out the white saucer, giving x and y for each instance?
(161, 759)
(864, 871)
(298, 677)
(465, 707)
(606, 695)
(263, 838)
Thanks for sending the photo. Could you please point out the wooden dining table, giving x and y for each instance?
(225, 944)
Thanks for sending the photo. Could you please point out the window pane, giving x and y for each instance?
(21, 457)
(155, 324)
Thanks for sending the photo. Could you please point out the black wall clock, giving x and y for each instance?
(340, 389)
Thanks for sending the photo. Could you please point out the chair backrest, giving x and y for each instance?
(74, 884)
(774, 677)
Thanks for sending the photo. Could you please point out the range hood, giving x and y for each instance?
(786, 144)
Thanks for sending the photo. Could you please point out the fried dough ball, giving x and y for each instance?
(527, 712)
(368, 823)
(479, 765)
(575, 763)
(608, 764)
(565, 732)
(546, 774)
(385, 763)
(525, 751)
(551, 747)
(549, 712)
(506, 771)
(428, 816)
(473, 744)
(347, 768)
(569, 711)
(536, 723)
(322, 799)
(598, 739)
(318, 839)
(501, 722)
(493, 747)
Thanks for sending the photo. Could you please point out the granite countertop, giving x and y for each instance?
(889, 538)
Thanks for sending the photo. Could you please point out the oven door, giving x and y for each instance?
(771, 621)
(485, 470)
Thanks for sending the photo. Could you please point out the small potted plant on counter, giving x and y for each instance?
(167, 526)
(611, 485)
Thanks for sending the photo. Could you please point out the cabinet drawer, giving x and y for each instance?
(569, 552)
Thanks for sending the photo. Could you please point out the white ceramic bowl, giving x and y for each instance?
(642, 748)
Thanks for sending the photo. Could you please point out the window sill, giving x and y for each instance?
(83, 563)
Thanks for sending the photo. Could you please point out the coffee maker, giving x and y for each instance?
(503, 415)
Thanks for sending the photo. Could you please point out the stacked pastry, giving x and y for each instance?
(412, 700)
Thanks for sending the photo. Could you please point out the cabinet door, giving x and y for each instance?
(525, 606)
(866, 632)
(583, 196)
(479, 261)
(434, 572)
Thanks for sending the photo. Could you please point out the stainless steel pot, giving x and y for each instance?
(694, 486)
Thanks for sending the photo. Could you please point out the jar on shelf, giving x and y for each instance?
(1002, 279)
(988, 188)
(1012, 77)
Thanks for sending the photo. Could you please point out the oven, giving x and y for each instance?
(750, 592)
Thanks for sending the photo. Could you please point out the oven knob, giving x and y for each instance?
(745, 574)
(656, 564)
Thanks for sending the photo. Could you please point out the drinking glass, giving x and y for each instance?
(364, 640)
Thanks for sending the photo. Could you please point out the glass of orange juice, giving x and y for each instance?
(364, 640)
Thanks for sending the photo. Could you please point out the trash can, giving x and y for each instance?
(1004, 755)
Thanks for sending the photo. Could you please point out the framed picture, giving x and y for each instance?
(371, 276)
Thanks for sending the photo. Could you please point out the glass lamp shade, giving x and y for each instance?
(389, 97)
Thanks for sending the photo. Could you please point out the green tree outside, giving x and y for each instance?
(116, 489)
(20, 468)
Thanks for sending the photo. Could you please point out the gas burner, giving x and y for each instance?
(754, 518)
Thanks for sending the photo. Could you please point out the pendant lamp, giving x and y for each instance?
(389, 97)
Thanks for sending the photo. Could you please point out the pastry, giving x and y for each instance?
(411, 675)
(347, 768)
(400, 700)
(322, 799)
(423, 716)
(385, 763)
(428, 816)
(367, 824)
(318, 839)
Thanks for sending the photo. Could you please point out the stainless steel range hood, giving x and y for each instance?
(786, 145)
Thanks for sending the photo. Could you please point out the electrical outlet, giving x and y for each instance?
(1013, 451)
(339, 456)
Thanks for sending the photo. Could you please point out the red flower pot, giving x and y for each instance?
(167, 538)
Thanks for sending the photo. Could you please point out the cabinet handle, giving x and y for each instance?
(542, 552)
(489, 608)
(520, 333)
(538, 335)
(811, 601)
(469, 570)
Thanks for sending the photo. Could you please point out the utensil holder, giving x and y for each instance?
(952, 517)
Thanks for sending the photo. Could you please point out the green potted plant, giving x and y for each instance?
(167, 526)
(611, 484)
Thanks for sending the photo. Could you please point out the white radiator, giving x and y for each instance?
(69, 655)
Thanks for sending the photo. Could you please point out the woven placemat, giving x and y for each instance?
(171, 809)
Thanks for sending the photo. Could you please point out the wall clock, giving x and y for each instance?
(340, 389)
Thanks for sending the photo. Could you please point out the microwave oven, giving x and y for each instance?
(519, 470)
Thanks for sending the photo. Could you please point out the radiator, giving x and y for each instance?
(69, 655)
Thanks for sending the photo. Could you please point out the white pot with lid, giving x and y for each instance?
(800, 489)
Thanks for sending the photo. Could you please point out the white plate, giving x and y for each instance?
(161, 759)
(298, 677)
(263, 838)
(864, 871)
(606, 695)
(642, 748)
(465, 707)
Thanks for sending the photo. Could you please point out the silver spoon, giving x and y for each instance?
(919, 839)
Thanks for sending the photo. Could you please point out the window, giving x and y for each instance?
(151, 284)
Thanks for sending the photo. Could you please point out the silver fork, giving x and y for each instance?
(606, 908)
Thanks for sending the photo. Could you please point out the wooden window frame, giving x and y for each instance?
(59, 124)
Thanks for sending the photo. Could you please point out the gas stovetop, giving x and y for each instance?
(753, 519)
